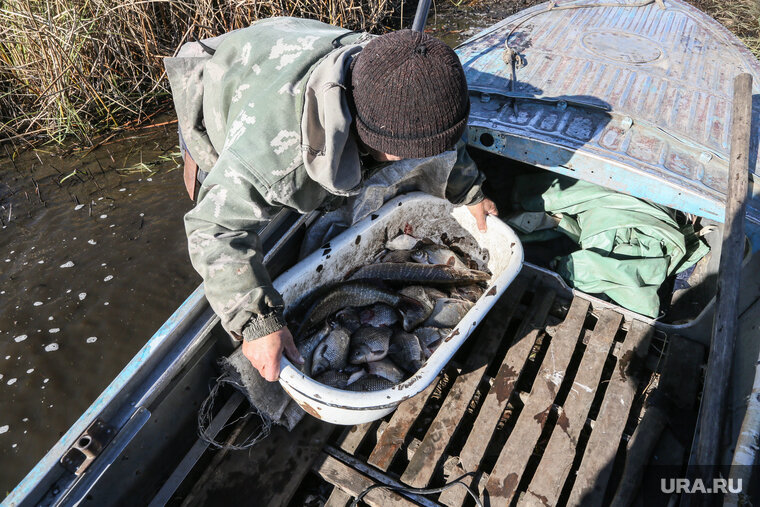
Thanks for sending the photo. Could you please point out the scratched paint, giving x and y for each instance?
(644, 89)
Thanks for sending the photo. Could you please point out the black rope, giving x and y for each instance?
(422, 491)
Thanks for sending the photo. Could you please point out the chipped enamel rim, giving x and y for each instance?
(334, 259)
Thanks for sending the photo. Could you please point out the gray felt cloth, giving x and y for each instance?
(429, 175)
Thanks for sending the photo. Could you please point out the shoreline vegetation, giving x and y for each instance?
(71, 71)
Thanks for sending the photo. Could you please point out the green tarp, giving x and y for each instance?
(628, 246)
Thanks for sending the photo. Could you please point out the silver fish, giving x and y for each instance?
(397, 256)
(332, 352)
(437, 254)
(353, 377)
(426, 274)
(448, 312)
(355, 294)
(402, 242)
(469, 293)
(378, 315)
(370, 383)
(369, 344)
(430, 335)
(306, 347)
(420, 294)
(349, 319)
(405, 350)
(386, 369)
(333, 378)
(434, 293)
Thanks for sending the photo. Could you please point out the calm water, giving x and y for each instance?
(89, 269)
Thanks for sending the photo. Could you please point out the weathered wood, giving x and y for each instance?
(676, 391)
(503, 386)
(425, 460)
(398, 427)
(338, 498)
(354, 483)
(640, 448)
(599, 455)
(713, 408)
(354, 436)
(502, 485)
(560, 451)
(238, 477)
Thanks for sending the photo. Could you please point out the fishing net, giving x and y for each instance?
(268, 402)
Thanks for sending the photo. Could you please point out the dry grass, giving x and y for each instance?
(742, 17)
(75, 67)
(78, 67)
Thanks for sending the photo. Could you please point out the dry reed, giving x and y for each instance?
(74, 67)
(77, 67)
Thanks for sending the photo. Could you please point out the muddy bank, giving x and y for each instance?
(92, 261)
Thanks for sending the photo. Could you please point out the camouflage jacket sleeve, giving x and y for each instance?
(465, 180)
(225, 249)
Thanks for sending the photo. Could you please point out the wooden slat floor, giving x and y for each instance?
(537, 408)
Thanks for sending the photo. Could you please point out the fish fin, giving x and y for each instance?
(451, 262)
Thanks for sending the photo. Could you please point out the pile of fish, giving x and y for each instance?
(378, 326)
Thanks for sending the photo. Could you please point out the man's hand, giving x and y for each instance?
(481, 209)
(265, 353)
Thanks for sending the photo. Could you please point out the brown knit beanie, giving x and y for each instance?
(409, 94)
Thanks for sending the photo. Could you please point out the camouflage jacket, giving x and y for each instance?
(267, 117)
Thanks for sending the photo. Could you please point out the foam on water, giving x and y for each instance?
(68, 265)
(51, 348)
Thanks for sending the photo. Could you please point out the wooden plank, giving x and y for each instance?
(676, 391)
(713, 408)
(505, 477)
(354, 483)
(242, 476)
(596, 465)
(503, 386)
(426, 459)
(394, 435)
(338, 498)
(560, 451)
(354, 436)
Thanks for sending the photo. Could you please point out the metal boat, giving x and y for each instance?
(633, 95)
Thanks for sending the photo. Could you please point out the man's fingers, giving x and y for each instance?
(273, 371)
(480, 218)
(292, 352)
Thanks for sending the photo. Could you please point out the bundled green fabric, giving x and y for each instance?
(629, 246)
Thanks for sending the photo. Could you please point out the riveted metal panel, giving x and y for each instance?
(645, 88)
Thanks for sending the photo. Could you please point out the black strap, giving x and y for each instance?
(207, 49)
(337, 41)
